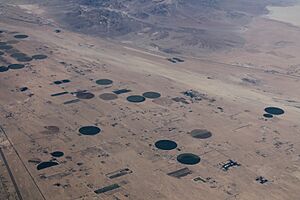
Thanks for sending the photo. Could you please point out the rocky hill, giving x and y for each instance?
(172, 26)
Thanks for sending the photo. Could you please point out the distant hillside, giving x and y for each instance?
(173, 26)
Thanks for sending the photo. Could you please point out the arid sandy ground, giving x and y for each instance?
(237, 84)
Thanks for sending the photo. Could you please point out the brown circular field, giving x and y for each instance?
(201, 133)
(108, 96)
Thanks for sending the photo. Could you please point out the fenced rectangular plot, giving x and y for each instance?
(180, 173)
(118, 173)
(107, 188)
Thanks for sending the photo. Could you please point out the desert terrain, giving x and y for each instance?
(89, 116)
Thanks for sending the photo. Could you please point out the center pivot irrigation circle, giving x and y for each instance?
(151, 95)
(104, 82)
(165, 144)
(188, 159)
(136, 99)
(274, 111)
(89, 130)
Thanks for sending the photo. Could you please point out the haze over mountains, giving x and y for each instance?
(171, 26)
